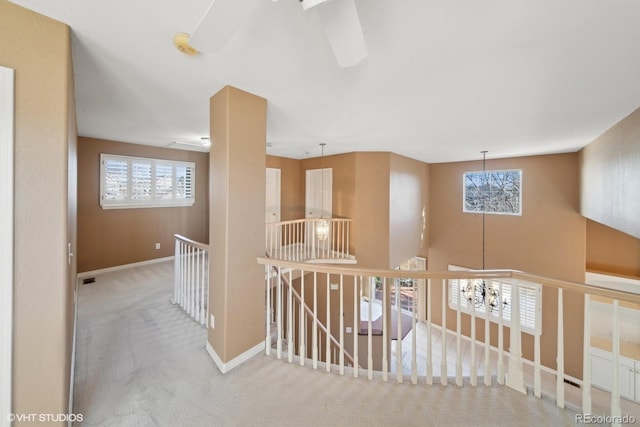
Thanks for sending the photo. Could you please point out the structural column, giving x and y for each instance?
(236, 227)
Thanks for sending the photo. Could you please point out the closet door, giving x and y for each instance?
(318, 194)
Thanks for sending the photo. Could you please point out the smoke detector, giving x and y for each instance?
(181, 42)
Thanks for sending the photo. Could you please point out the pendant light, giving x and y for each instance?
(322, 225)
(481, 294)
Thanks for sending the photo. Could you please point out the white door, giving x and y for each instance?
(318, 194)
(6, 241)
(272, 212)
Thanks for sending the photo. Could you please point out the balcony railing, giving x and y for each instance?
(191, 278)
(311, 240)
(334, 296)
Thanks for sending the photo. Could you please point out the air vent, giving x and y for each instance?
(88, 280)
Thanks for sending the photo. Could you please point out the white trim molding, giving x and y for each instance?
(239, 360)
(7, 113)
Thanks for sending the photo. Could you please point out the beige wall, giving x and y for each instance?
(291, 204)
(610, 172)
(111, 237)
(39, 49)
(237, 226)
(371, 218)
(612, 251)
(548, 239)
(408, 201)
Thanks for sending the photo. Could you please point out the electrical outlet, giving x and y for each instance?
(157, 246)
(349, 329)
(334, 286)
(212, 323)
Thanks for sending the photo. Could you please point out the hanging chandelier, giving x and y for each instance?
(479, 293)
(322, 225)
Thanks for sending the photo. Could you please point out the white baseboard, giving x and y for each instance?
(122, 267)
(239, 360)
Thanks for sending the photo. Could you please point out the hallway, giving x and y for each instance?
(141, 362)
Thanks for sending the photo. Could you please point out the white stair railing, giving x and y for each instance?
(326, 289)
(310, 240)
(191, 278)
(289, 317)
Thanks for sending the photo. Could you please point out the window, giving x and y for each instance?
(529, 298)
(134, 182)
(494, 192)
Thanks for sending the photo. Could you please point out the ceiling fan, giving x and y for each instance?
(339, 18)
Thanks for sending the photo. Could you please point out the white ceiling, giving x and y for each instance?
(444, 79)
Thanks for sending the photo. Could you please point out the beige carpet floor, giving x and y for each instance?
(141, 362)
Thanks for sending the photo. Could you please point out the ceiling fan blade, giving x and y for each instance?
(341, 24)
(219, 23)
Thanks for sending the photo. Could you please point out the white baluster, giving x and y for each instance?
(279, 314)
(302, 328)
(314, 331)
(342, 235)
(487, 355)
(537, 379)
(443, 364)
(356, 324)
(616, 411)
(196, 303)
(348, 228)
(183, 279)
(385, 336)
(205, 287)
(205, 298)
(414, 313)
(398, 332)
(290, 331)
(586, 359)
(560, 355)
(369, 332)
(429, 375)
(500, 369)
(267, 337)
(515, 377)
(473, 379)
(341, 325)
(176, 272)
(189, 282)
(458, 335)
(328, 334)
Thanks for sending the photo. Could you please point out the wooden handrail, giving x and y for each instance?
(198, 245)
(467, 274)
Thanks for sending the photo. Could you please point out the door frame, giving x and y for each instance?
(7, 114)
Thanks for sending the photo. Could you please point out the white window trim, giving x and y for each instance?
(464, 193)
(494, 315)
(153, 202)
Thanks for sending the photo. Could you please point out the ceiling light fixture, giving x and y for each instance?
(181, 42)
(202, 145)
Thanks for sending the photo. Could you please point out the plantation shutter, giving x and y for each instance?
(133, 182)
(116, 179)
(530, 302)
